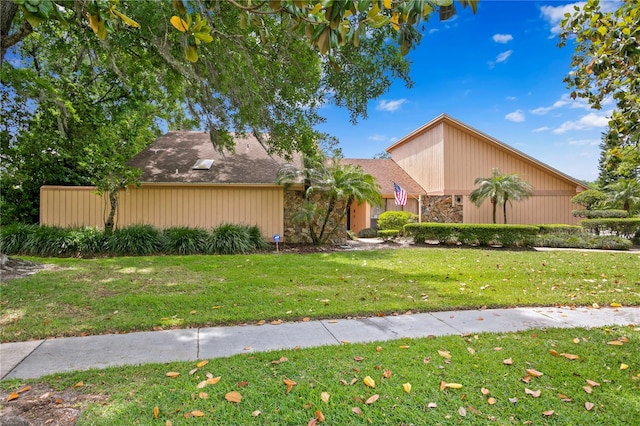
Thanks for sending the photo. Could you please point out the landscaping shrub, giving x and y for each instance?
(367, 233)
(48, 241)
(13, 237)
(230, 239)
(255, 235)
(600, 214)
(388, 234)
(395, 220)
(185, 240)
(586, 241)
(627, 228)
(90, 241)
(560, 229)
(473, 234)
(140, 240)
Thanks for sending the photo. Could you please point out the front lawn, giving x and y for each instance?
(124, 294)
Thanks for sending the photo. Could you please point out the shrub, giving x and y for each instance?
(367, 233)
(473, 234)
(628, 228)
(13, 237)
(586, 241)
(560, 229)
(388, 234)
(589, 198)
(48, 241)
(141, 240)
(90, 241)
(229, 239)
(599, 214)
(185, 240)
(255, 235)
(395, 220)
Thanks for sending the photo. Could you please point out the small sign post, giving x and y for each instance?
(276, 239)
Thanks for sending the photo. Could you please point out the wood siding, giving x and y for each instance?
(423, 159)
(538, 210)
(164, 206)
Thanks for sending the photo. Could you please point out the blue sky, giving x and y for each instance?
(499, 71)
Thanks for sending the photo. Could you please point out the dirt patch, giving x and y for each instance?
(42, 405)
(11, 268)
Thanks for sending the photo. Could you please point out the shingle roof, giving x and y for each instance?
(386, 172)
(171, 158)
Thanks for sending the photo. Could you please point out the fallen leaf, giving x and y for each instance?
(276, 322)
(592, 383)
(233, 396)
(256, 413)
(243, 384)
(485, 391)
(548, 413)
(576, 340)
(491, 401)
(24, 389)
(59, 401)
(554, 352)
(534, 373)
(564, 398)
(290, 384)
(615, 305)
(281, 360)
(471, 350)
(507, 361)
(513, 400)
(79, 384)
(386, 374)
(404, 347)
(444, 354)
(406, 387)
(312, 422)
(570, 356)
(453, 385)
(372, 399)
(213, 380)
(12, 396)
(261, 322)
(325, 396)
(623, 366)
(320, 416)
(369, 382)
(587, 389)
(306, 319)
(432, 405)
(193, 371)
(356, 410)
(527, 379)
(353, 381)
(168, 423)
(624, 339)
(156, 412)
(345, 342)
(172, 374)
(497, 349)
(358, 358)
(535, 394)
(197, 413)
(615, 343)
(588, 406)
(202, 363)
(462, 411)
(378, 348)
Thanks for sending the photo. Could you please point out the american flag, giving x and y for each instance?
(400, 194)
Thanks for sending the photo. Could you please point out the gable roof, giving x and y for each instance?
(171, 158)
(386, 172)
(444, 118)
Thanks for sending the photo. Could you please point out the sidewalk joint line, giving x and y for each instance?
(329, 331)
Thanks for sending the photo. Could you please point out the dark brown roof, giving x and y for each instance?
(386, 172)
(171, 158)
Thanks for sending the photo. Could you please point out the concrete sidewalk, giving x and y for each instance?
(29, 360)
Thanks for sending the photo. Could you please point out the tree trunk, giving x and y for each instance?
(8, 11)
(493, 205)
(113, 202)
(504, 212)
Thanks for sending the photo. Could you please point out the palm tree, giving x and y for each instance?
(330, 187)
(624, 192)
(500, 189)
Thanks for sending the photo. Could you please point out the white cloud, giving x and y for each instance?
(586, 122)
(390, 105)
(377, 138)
(515, 116)
(584, 142)
(554, 14)
(502, 57)
(502, 38)
(541, 129)
(565, 100)
(511, 98)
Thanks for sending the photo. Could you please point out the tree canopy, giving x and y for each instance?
(605, 68)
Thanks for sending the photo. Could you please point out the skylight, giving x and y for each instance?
(202, 164)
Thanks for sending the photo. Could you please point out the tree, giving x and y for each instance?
(500, 189)
(624, 193)
(329, 189)
(604, 67)
(590, 198)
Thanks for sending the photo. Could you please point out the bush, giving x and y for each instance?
(135, 240)
(48, 241)
(473, 234)
(185, 240)
(255, 235)
(395, 220)
(230, 239)
(13, 237)
(589, 198)
(367, 233)
(90, 241)
(388, 234)
(627, 228)
(599, 214)
(608, 242)
(560, 229)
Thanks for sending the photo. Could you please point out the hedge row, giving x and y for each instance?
(627, 228)
(585, 241)
(473, 234)
(134, 240)
(600, 214)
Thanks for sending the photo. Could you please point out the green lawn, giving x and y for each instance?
(588, 376)
(144, 293)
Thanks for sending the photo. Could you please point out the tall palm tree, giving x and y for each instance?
(624, 192)
(500, 189)
(330, 187)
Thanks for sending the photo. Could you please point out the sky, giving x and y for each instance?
(499, 71)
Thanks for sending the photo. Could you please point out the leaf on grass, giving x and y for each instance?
(320, 416)
(513, 400)
(592, 383)
(404, 347)
(615, 305)
(372, 399)
(507, 361)
(79, 384)
(497, 349)
(570, 356)
(535, 394)
(192, 372)
(202, 363)
(444, 385)
(462, 411)
(554, 352)
(624, 339)
(534, 373)
(491, 401)
(576, 340)
(312, 422)
(156, 412)
(197, 413)
(615, 343)
(406, 387)
(432, 405)
(172, 374)
(548, 413)
(290, 384)
(24, 389)
(587, 389)
(369, 382)
(12, 396)
(378, 348)
(203, 395)
(276, 322)
(471, 350)
(386, 374)
(358, 358)
(485, 391)
(256, 413)
(325, 397)
(588, 405)
(243, 384)
(564, 398)
(527, 379)
(356, 410)
(623, 366)
(233, 396)
(444, 354)
(213, 380)
(280, 361)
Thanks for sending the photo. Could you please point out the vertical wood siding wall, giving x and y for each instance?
(164, 206)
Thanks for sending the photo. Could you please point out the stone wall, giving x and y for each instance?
(440, 208)
(297, 233)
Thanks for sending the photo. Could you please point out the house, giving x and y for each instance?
(185, 182)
